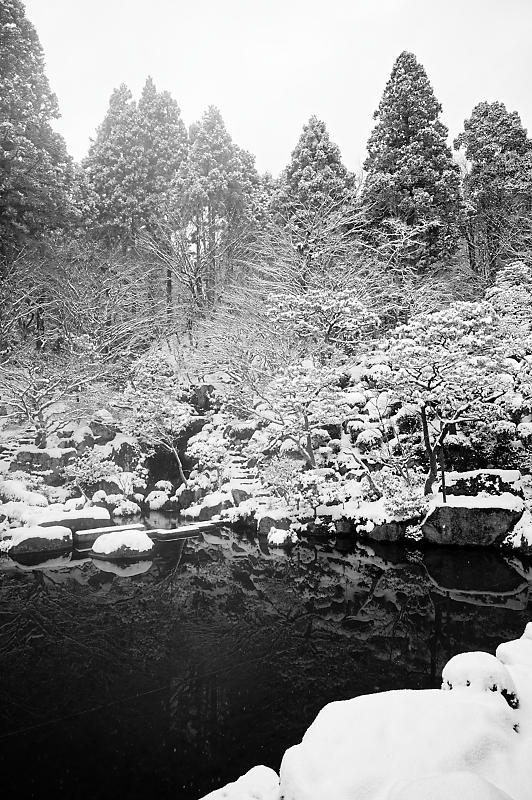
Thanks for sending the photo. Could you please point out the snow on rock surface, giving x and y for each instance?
(518, 651)
(157, 500)
(520, 537)
(123, 544)
(260, 783)
(280, 538)
(21, 541)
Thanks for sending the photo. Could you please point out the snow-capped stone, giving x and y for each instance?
(278, 537)
(164, 486)
(126, 508)
(463, 520)
(157, 500)
(210, 506)
(368, 439)
(34, 540)
(123, 544)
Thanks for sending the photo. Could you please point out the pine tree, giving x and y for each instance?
(35, 169)
(498, 186)
(411, 176)
(315, 179)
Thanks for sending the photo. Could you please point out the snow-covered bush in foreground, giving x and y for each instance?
(471, 742)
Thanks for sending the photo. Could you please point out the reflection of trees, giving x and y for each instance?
(236, 649)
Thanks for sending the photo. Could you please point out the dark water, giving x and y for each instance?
(217, 657)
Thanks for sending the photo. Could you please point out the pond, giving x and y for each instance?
(174, 676)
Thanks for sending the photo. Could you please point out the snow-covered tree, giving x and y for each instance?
(498, 184)
(452, 366)
(35, 170)
(315, 175)
(321, 317)
(133, 161)
(411, 176)
(212, 192)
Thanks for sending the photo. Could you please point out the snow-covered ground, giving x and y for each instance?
(472, 741)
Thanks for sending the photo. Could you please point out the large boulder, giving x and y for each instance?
(479, 521)
(35, 540)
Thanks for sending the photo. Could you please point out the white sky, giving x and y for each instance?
(269, 64)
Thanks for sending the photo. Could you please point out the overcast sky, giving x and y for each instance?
(269, 64)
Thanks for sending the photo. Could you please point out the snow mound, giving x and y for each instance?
(462, 785)
(126, 541)
(280, 538)
(516, 652)
(363, 748)
(528, 631)
(126, 508)
(260, 783)
(164, 486)
(16, 491)
(157, 500)
(479, 672)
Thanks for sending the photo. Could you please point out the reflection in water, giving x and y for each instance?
(174, 677)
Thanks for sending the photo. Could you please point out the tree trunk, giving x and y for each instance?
(433, 461)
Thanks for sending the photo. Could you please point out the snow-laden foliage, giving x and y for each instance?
(321, 315)
(411, 176)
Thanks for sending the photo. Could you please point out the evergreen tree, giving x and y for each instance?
(111, 172)
(214, 190)
(315, 179)
(160, 148)
(35, 169)
(411, 176)
(133, 162)
(498, 186)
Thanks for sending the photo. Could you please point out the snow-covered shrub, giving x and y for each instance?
(369, 439)
(402, 500)
(90, 468)
(480, 672)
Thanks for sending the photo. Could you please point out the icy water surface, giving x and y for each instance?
(179, 674)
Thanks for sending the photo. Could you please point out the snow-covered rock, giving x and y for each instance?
(210, 506)
(268, 518)
(14, 490)
(157, 500)
(126, 508)
(280, 538)
(123, 545)
(164, 486)
(462, 520)
(260, 783)
(34, 540)
(520, 537)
